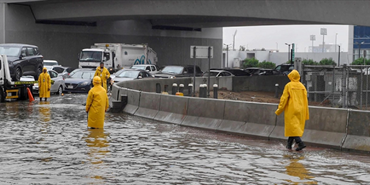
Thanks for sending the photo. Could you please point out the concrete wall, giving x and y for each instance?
(2, 22)
(338, 128)
(64, 42)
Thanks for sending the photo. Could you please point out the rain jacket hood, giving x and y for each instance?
(294, 76)
(45, 69)
(96, 81)
(294, 104)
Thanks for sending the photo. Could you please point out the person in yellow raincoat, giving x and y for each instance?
(96, 104)
(44, 84)
(294, 103)
(104, 74)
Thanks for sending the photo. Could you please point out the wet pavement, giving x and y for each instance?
(48, 143)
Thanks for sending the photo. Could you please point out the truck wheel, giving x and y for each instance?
(23, 93)
(2, 95)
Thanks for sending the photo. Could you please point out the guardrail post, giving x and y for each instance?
(276, 90)
(190, 89)
(174, 88)
(215, 91)
(181, 88)
(158, 88)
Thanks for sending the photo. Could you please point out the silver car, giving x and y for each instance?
(58, 85)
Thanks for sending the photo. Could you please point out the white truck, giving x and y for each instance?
(8, 88)
(116, 55)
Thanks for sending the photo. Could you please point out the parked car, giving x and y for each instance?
(218, 73)
(259, 71)
(132, 74)
(57, 87)
(64, 71)
(79, 81)
(49, 64)
(235, 72)
(23, 60)
(152, 69)
(178, 71)
(283, 69)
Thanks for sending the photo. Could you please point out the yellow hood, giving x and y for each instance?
(294, 76)
(44, 69)
(96, 81)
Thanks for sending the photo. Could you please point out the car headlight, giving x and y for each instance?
(36, 84)
(85, 83)
(153, 76)
(172, 76)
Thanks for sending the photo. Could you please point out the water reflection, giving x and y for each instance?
(297, 169)
(98, 148)
(44, 110)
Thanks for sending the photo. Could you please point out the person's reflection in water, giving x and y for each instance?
(297, 169)
(44, 110)
(98, 148)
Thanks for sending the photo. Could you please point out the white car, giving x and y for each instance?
(58, 85)
(50, 63)
(150, 68)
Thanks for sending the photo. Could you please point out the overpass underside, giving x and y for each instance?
(61, 28)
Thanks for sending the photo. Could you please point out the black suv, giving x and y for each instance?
(23, 60)
(178, 71)
(283, 69)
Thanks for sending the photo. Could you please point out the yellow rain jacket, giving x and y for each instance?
(44, 84)
(104, 75)
(96, 104)
(294, 103)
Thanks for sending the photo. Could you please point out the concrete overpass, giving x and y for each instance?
(61, 28)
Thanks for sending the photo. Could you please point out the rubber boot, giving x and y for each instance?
(300, 146)
(46, 99)
(290, 143)
(40, 99)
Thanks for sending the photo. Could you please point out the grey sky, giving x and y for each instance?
(271, 37)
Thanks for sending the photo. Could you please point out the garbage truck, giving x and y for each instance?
(116, 55)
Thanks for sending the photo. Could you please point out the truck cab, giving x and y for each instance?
(91, 58)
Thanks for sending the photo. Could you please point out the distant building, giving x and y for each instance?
(328, 48)
(361, 41)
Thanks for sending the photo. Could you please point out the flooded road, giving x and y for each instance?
(48, 143)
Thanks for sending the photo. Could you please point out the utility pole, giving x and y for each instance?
(312, 38)
(339, 56)
(336, 35)
(323, 32)
(288, 51)
(234, 40)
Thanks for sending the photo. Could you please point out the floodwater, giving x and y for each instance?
(48, 143)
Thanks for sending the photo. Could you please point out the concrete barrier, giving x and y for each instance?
(327, 126)
(204, 113)
(149, 105)
(358, 137)
(256, 119)
(173, 109)
(133, 100)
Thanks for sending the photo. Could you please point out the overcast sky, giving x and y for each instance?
(275, 37)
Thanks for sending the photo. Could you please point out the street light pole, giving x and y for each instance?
(288, 51)
(336, 35)
(339, 56)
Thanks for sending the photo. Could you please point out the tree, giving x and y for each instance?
(241, 48)
(360, 61)
(267, 65)
(309, 62)
(250, 62)
(327, 61)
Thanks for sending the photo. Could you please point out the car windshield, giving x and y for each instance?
(82, 75)
(138, 67)
(10, 51)
(173, 69)
(129, 74)
(91, 56)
